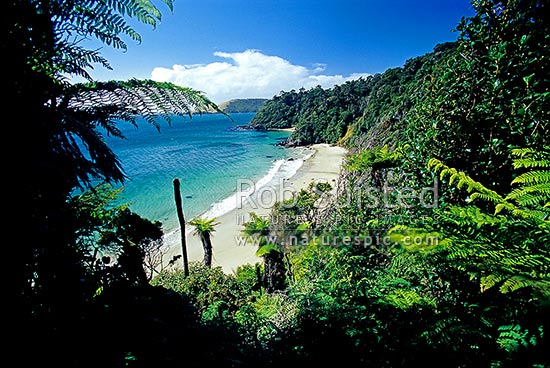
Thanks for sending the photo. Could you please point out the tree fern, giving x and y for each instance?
(534, 190)
(507, 249)
(529, 200)
(462, 180)
(105, 20)
(86, 107)
(267, 249)
(512, 337)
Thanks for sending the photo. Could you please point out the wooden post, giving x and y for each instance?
(181, 218)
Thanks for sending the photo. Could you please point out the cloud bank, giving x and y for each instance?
(248, 74)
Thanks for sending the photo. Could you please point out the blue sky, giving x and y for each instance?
(238, 48)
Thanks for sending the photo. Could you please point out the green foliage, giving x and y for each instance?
(203, 225)
(490, 96)
(376, 159)
(257, 226)
(267, 249)
(319, 115)
(96, 206)
(115, 244)
(373, 300)
(534, 190)
(530, 200)
(299, 213)
(508, 250)
(211, 289)
(403, 299)
(513, 338)
(272, 314)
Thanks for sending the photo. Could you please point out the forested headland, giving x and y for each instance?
(434, 251)
(239, 105)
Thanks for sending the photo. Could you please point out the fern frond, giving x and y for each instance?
(462, 180)
(267, 249)
(138, 97)
(507, 251)
(531, 195)
(470, 216)
(416, 239)
(513, 337)
(530, 158)
(405, 299)
(533, 177)
(529, 163)
(490, 281)
(492, 197)
(529, 214)
(521, 152)
(435, 165)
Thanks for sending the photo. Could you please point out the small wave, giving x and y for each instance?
(224, 206)
(281, 170)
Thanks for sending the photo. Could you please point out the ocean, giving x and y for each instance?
(208, 153)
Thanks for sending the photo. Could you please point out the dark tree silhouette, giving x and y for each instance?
(181, 219)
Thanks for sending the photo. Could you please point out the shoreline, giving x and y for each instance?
(228, 251)
(291, 129)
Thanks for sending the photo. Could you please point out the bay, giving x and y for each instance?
(208, 153)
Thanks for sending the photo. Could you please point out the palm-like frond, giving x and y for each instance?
(203, 225)
(268, 249)
(507, 249)
(257, 226)
(147, 98)
(75, 60)
(86, 107)
(104, 20)
(534, 185)
(534, 190)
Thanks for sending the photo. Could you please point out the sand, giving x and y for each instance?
(292, 129)
(229, 252)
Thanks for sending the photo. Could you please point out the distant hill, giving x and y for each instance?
(242, 105)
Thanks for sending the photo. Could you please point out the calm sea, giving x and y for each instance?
(208, 153)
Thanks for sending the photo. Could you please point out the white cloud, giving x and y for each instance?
(248, 74)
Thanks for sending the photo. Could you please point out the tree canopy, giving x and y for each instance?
(61, 126)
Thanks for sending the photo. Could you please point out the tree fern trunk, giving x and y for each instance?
(181, 219)
(274, 271)
(207, 245)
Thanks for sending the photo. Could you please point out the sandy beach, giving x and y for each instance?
(229, 251)
(292, 129)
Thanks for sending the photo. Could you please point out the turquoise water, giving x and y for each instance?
(207, 153)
